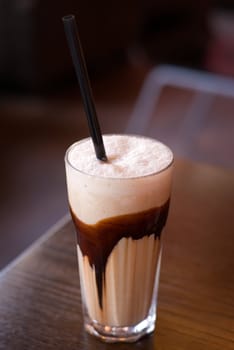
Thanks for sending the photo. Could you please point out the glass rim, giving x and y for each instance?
(73, 145)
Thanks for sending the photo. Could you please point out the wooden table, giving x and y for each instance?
(40, 306)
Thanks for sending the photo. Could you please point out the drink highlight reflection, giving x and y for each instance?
(119, 217)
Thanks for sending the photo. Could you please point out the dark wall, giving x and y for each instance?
(34, 53)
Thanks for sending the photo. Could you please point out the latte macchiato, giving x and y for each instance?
(119, 209)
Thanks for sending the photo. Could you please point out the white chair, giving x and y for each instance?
(195, 119)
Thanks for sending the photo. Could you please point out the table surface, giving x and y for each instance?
(40, 304)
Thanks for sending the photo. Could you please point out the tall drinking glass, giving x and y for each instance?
(119, 216)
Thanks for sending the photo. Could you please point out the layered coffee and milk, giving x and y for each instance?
(119, 208)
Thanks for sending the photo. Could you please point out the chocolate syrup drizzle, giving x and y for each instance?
(97, 241)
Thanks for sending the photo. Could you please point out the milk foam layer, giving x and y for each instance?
(127, 157)
(93, 198)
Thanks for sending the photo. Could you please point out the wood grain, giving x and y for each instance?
(40, 306)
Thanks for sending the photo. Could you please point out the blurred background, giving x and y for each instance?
(41, 109)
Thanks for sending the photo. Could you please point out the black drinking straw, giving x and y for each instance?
(85, 87)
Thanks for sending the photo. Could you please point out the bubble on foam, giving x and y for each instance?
(128, 156)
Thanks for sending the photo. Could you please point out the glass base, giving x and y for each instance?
(121, 334)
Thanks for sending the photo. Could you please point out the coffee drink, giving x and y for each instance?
(119, 209)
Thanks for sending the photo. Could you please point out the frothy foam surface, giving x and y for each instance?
(128, 156)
